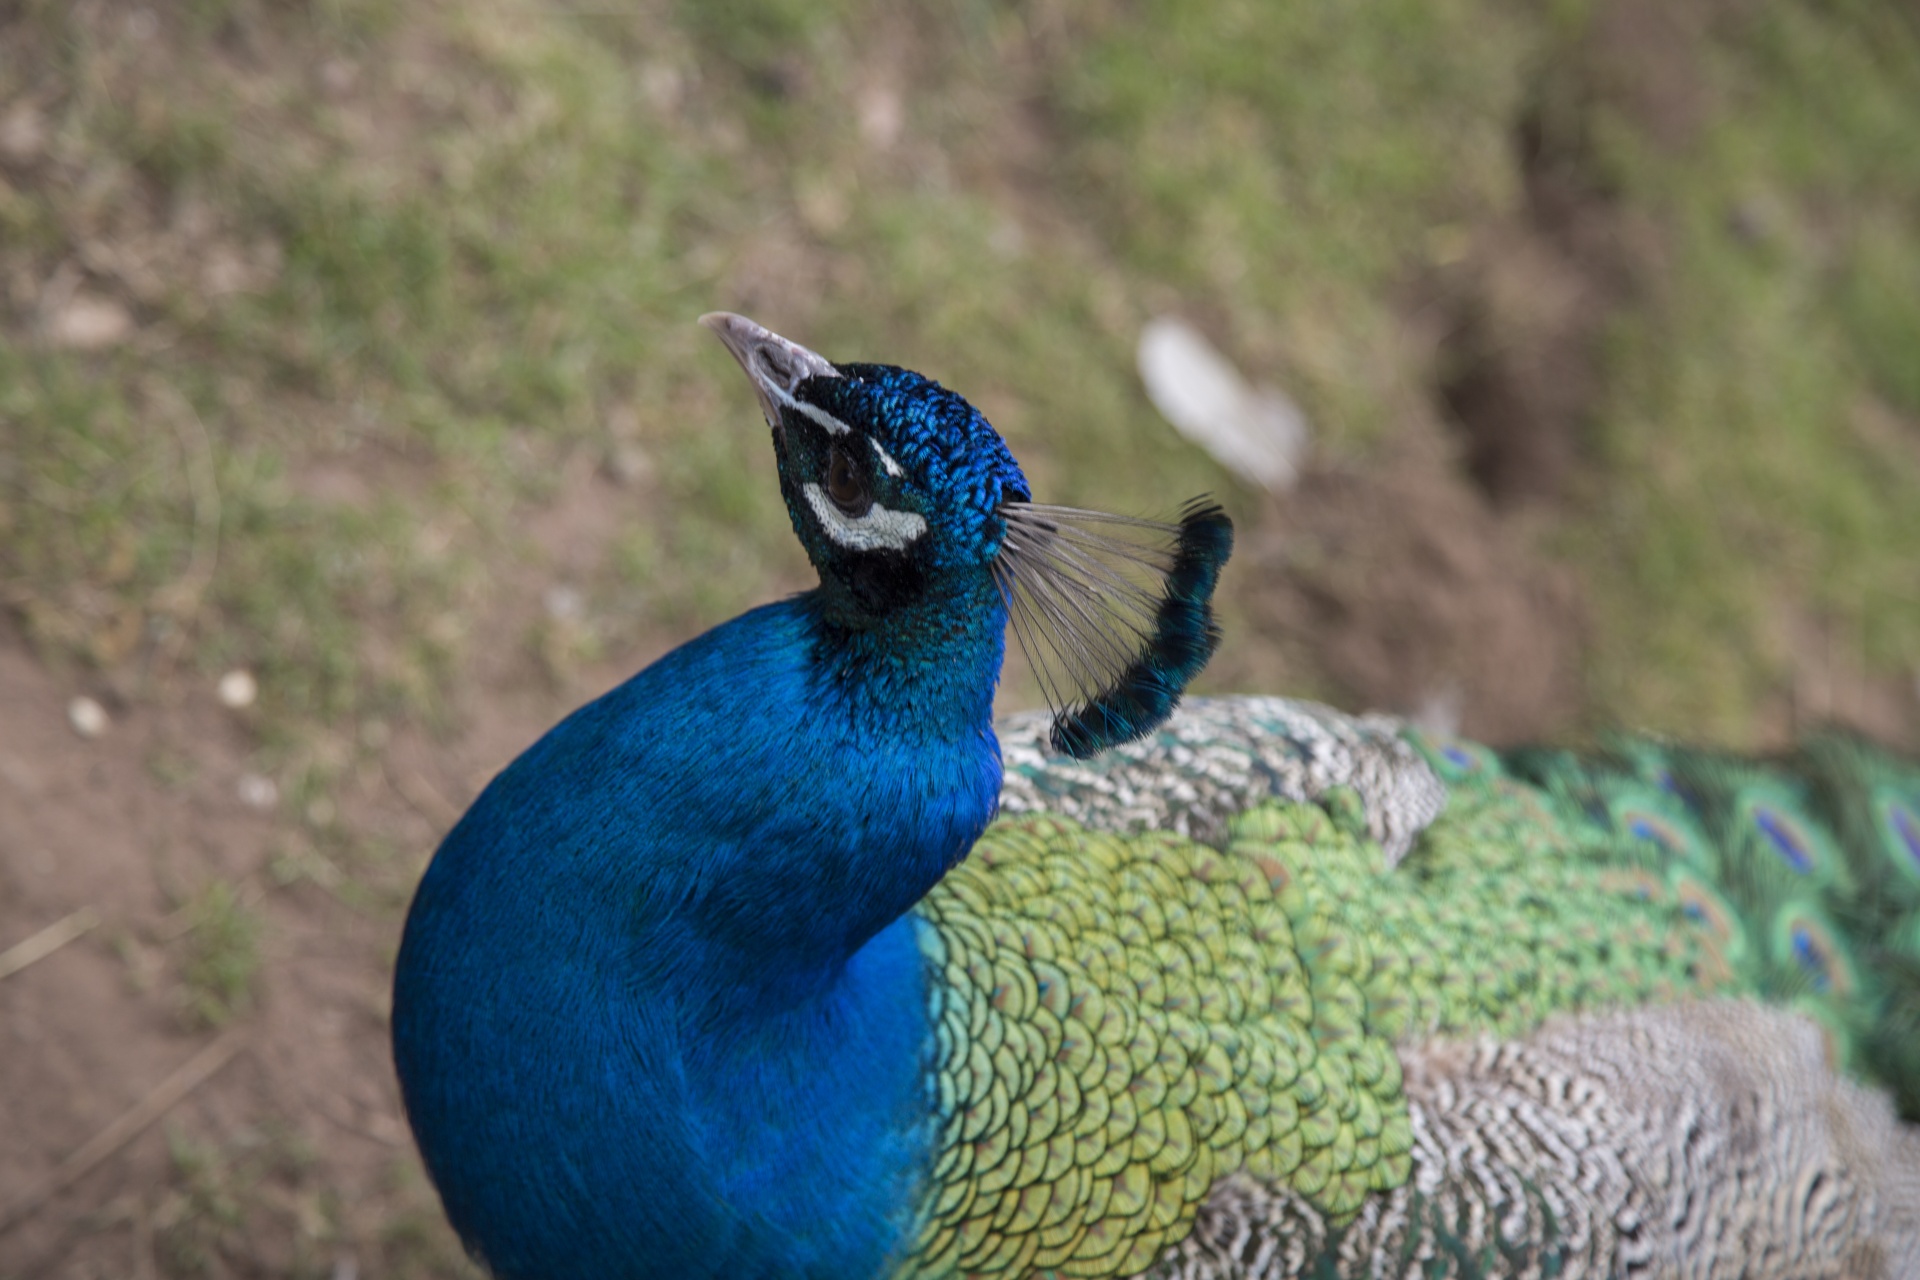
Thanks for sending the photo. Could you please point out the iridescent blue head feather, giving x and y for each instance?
(902, 491)
(930, 432)
(893, 483)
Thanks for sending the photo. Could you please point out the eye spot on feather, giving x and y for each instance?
(1806, 944)
(1643, 886)
(1712, 924)
(1906, 827)
(1701, 909)
(1278, 877)
(1654, 830)
(1785, 838)
(1455, 759)
(1812, 958)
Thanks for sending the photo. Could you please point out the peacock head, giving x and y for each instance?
(902, 492)
(895, 485)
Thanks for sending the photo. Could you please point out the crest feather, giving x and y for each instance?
(1113, 612)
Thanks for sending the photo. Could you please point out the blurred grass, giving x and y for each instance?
(473, 238)
(1760, 430)
(248, 1203)
(220, 955)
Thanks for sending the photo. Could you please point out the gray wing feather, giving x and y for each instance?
(1215, 757)
(1708, 1141)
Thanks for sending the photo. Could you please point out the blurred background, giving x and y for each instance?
(354, 426)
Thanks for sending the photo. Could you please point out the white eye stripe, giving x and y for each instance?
(833, 425)
(880, 529)
(886, 460)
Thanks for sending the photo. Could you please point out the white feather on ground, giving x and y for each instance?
(1255, 431)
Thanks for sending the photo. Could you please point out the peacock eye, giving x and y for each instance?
(845, 485)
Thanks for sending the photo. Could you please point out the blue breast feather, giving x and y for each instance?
(585, 969)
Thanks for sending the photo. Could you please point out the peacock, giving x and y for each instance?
(781, 959)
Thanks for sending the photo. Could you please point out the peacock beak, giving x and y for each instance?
(775, 365)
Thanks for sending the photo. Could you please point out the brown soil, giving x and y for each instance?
(93, 1028)
(294, 1157)
(1414, 596)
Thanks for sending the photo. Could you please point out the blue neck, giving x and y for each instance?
(847, 801)
(675, 926)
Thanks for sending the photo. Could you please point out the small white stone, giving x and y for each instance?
(89, 324)
(257, 791)
(88, 718)
(238, 689)
(565, 603)
(337, 76)
(1008, 238)
(23, 134)
(661, 86)
(882, 116)
(223, 271)
(1439, 711)
(628, 464)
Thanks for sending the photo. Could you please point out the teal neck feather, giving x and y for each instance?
(701, 937)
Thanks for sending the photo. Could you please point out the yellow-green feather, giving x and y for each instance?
(1122, 1020)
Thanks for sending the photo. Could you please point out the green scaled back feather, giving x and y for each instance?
(1150, 1045)
(1126, 1020)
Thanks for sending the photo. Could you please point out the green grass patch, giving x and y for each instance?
(220, 955)
(474, 242)
(1760, 480)
(247, 1199)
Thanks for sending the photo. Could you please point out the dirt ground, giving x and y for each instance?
(278, 1147)
(306, 1100)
